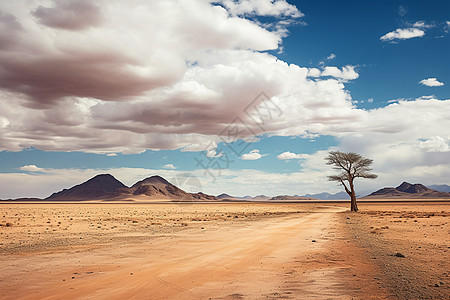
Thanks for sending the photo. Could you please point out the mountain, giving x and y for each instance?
(224, 196)
(440, 188)
(413, 188)
(286, 197)
(328, 196)
(156, 187)
(100, 186)
(407, 190)
(261, 197)
(203, 196)
(106, 187)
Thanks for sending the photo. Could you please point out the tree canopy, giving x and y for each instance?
(352, 166)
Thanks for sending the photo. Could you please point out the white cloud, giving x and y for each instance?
(31, 168)
(132, 88)
(347, 72)
(403, 34)
(289, 155)
(331, 56)
(116, 84)
(213, 153)
(169, 166)
(413, 147)
(422, 24)
(252, 155)
(431, 82)
(277, 8)
(435, 144)
(314, 72)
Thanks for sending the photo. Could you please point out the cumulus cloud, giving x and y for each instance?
(69, 15)
(435, 144)
(413, 147)
(31, 168)
(289, 155)
(431, 82)
(213, 153)
(169, 166)
(422, 24)
(262, 8)
(119, 85)
(314, 72)
(252, 155)
(403, 34)
(347, 72)
(125, 55)
(331, 56)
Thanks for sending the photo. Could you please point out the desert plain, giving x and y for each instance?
(388, 250)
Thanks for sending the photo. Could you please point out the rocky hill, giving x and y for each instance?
(98, 187)
(408, 191)
(106, 187)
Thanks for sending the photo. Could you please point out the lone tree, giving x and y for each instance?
(352, 165)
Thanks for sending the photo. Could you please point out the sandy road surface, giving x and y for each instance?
(262, 259)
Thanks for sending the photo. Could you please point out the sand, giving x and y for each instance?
(223, 251)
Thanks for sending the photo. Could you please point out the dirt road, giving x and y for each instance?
(264, 259)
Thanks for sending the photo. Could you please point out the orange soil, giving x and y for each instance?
(199, 251)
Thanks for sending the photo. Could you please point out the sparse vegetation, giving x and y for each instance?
(352, 165)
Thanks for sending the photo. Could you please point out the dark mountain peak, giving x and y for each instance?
(412, 188)
(404, 186)
(407, 190)
(98, 186)
(106, 180)
(152, 180)
(224, 195)
(418, 188)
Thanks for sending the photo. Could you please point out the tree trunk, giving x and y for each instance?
(353, 205)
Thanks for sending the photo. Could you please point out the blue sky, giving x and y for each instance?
(138, 92)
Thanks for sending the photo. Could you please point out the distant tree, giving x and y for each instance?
(352, 166)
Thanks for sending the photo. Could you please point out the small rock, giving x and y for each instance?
(398, 254)
(313, 241)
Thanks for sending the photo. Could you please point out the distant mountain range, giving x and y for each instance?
(328, 196)
(106, 187)
(286, 197)
(440, 187)
(408, 191)
(229, 197)
(404, 191)
(321, 196)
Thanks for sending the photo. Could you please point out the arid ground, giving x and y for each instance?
(224, 251)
